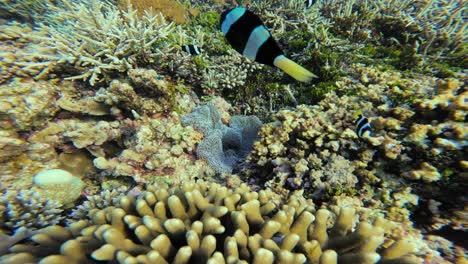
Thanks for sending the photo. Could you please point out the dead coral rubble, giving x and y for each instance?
(206, 223)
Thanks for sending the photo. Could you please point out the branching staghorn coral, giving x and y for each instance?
(28, 209)
(435, 28)
(330, 34)
(92, 41)
(204, 222)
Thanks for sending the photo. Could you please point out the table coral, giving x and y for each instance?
(206, 222)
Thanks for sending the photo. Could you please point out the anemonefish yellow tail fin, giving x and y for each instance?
(357, 113)
(293, 69)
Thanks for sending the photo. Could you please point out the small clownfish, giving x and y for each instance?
(362, 124)
(191, 49)
(309, 3)
(247, 34)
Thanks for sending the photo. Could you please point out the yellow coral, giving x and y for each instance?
(171, 9)
(205, 222)
(427, 173)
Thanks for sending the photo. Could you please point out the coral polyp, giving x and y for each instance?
(117, 145)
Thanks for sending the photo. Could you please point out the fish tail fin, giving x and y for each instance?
(293, 69)
(357, 113)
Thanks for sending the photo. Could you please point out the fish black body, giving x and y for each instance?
(191, 49)
(247, 34)
(362, 125)
(309, 3)
(238, 35)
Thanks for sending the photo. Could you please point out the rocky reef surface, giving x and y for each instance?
(118, 146)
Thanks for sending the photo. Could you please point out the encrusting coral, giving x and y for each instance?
(222, 146)
(26, 105)
(155, 147)
(58, 185)
(206, 223)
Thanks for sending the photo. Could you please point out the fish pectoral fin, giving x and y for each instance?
(293, 69)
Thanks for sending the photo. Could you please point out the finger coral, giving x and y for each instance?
(308, 146)
(206, 223)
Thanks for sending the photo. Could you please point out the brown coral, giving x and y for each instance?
(209, 223)
(171, 9)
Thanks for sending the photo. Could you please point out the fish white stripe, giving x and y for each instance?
(362, 129)
(196, 49)
(231, 18)
(256, 39)
(187, 49)
(362, 119)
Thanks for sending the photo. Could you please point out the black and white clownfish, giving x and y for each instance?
(247, 34)
(362, 124)
(309, 3)
(191, 49)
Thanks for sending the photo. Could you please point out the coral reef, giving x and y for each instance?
(7, 241)
(171, 9)
(58, 185)
(99, 201)
(89, 40)
(412, 139)
(26, 105)
(206, 222)
(156, 147)
(102, 124)
(308, 147)
(28, 209)
(222, 146)
(101, 95)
